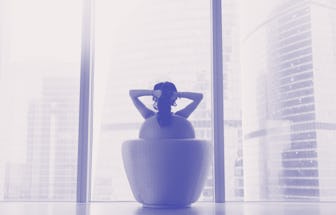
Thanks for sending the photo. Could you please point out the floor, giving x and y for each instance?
(132, 208)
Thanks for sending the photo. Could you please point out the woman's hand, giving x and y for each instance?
(196, 99)
(175, 96)
(157, 93)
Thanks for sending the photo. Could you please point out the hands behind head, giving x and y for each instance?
(174, 96)
(157, 93)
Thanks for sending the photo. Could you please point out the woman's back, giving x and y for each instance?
(179, 127)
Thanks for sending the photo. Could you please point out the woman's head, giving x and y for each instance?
(168, 91)
(165, 101)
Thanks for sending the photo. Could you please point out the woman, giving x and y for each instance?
(164, 123)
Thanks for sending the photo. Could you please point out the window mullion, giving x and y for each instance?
(85, 109)
(218, 109)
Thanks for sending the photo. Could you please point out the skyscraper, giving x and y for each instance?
(290, 117)
(52, 141)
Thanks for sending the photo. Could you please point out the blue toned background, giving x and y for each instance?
(278, 78)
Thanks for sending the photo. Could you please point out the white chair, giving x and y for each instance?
(166, 173)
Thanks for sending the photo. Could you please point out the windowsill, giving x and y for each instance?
(134, 208)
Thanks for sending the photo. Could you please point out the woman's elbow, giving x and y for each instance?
(131, 93)
(200, 96)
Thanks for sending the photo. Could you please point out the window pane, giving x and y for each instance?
(137, 44)
(234, 180)
(288, 102)
(39, 91)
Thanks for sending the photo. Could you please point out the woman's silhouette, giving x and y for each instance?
(164, 123)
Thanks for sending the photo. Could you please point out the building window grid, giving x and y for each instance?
(290, 25)
(292, 64)
(296, 78)
(294, 46)
(299, 69)
(294, 38)
(295, 53)
(303, 149)
(295, 62)
(299, 97)
(290, 15)
(302, 28)
(295, 110)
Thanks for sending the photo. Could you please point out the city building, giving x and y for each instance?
(50, 170)
(289, 122)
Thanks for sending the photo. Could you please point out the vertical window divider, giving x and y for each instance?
(85, 105)
(218, 101)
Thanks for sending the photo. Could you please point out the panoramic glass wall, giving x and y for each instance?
(39, 92)
(137, 44)
(279, 59)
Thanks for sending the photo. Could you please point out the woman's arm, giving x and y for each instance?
(135, 94)
(196, 99)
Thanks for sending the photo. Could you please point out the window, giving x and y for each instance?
(278, 61)
(137, 44)
(233, 151)
(39, 91)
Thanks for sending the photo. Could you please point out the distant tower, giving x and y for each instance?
(287, 140)
(52, 141)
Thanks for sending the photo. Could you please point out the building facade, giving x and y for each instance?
(289, 125)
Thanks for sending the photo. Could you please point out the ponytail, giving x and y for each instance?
(164, 102)
(164, 112)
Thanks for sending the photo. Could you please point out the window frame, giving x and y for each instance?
(84, 161)
(85, 105)
(218, 103)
